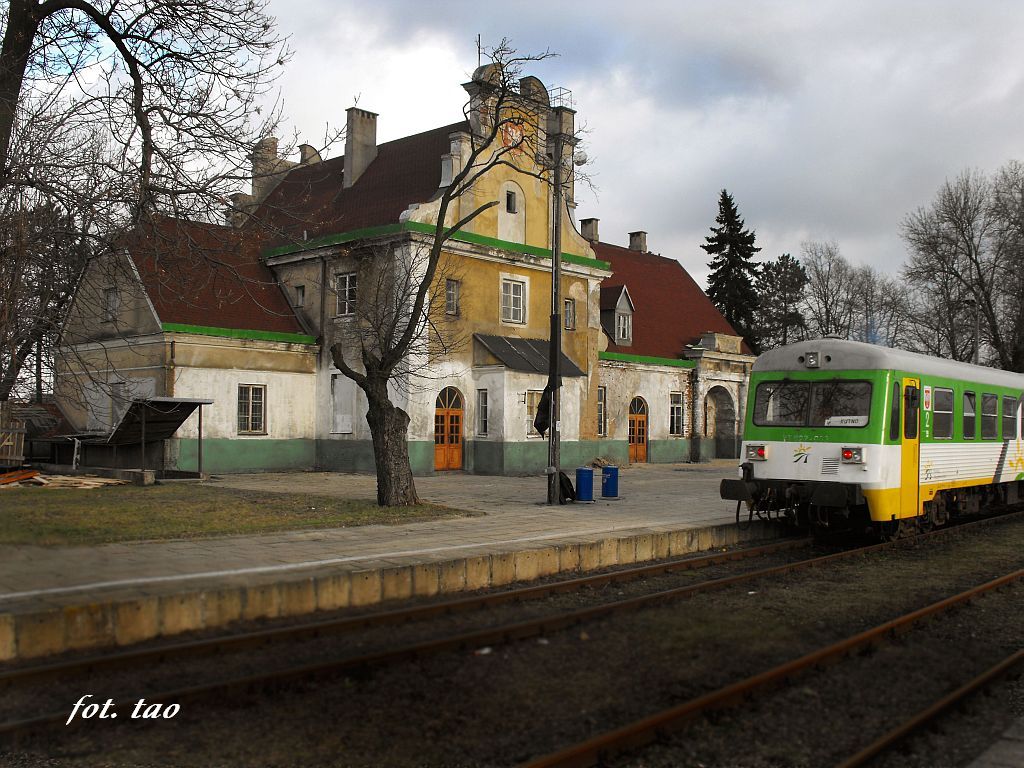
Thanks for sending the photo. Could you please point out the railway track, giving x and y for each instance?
(488, 637)
(645, 731)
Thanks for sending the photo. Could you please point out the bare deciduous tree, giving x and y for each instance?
(113, 111)
(965, 254)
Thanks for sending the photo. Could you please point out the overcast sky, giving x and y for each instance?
(825, 120)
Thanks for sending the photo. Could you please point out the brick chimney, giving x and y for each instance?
(638, 241)
(360, 143)
(588, 228)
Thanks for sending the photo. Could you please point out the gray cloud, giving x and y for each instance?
(824, 119)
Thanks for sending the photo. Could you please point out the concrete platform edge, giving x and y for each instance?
(123, 622)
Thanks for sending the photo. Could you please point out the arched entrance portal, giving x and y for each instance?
(720, 422)
(448, 430)
(637, 430)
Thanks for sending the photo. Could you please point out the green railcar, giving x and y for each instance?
(844, 435)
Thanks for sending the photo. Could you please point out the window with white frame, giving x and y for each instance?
(533, 397)
(252, 409)
(602, 411)
(481, 412)
(452, 291)
(570, 314)
(346, 284)
(623, 327)
(300, 295)
(513, 301)
(675, 413)
(111, 304)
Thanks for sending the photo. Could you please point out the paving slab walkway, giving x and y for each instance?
(380, 562)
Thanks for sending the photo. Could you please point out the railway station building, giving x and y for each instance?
(651, 371)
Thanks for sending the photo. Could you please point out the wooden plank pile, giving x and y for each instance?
(21, 478)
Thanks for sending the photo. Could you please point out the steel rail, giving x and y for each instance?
(322, 627)
(927, 715)
(642, 732)
(490, 636)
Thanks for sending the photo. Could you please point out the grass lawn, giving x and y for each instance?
(71, 516)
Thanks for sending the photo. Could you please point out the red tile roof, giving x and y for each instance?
(312, 198)
(210, 275)
(671, 311)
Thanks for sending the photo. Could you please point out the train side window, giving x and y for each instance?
(969, 418)
(911, 404)
(894, 417)
(989, 416)
(1009, 418)
(942, 413)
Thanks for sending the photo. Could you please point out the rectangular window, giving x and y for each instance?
(942, 413)
(570, 314)
(1009, 418)
(481, 412)
(675, 413)
(111, 304)
(970, 400)
(252, 399)
(894, 416)
(989, 416)
(510, 201)
(837, 403)
(513, 293)
(532, 403)
(452, 290)
(300, 295)
(346, 285)
(623, 327)
(602, 411)
(911, 411)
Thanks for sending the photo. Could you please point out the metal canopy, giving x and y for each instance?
(156, 418)
(529, 355)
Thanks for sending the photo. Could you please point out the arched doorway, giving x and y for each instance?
(720, 422)
(637, 430)
(448, 430)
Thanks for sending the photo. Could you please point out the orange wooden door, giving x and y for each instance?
(637, 430)
(448, 430)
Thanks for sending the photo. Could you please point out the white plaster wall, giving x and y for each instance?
(291, 402)
(515, 421)
(654, 384)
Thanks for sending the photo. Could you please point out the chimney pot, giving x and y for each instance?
(638, 241)
(588, 228)
(360, 143)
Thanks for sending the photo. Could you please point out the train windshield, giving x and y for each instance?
(836, 403)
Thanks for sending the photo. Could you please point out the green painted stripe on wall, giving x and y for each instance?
(239, 333)
(429, 229)
(622, 357)
(227, 455)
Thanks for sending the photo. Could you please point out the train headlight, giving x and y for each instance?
(852, 455)
(755, 453)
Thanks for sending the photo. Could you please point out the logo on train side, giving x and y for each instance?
(800, 453)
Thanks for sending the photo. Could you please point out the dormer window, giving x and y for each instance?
(623, 328)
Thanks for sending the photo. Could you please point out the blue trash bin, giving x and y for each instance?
(584, 484)
(610, 482)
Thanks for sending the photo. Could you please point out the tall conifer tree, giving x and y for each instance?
(733, 271)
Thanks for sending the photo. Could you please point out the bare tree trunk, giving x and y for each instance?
(22, 25)
(389, 427)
